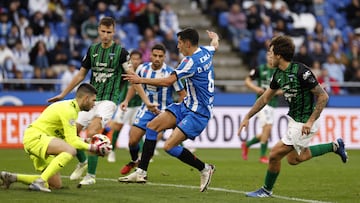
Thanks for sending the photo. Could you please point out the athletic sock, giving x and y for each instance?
(270, 180)
(114, 138)
(106, 130)
(26, 179)
(134, 152)
(148, 152)
(320, 149)
(187, 157)
(252, 141)
(92, 164)
(81, 155)
(56, 165)
(263, 148)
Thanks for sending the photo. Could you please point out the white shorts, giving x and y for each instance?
(294, 135)
(266, 115)
(127, 116)
(104, 109)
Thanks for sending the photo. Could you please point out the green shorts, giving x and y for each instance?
(36, 144)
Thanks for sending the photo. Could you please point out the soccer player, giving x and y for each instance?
(156, 94)
(127, 115)
(188, 118)
(262, 74)
(107, 62)
(51, 141)
(306, 99)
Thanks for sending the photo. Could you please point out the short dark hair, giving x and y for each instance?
(107, 21)
(159, 47)
(284, 46)
(189, 34)
(85, 88)
(136, 52)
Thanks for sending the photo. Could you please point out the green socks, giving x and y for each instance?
(320, 149)
(252, 141)
(92, 164)
(81, 156)
(270, 180)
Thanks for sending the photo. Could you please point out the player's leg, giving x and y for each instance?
(190, 127)
(246, 145)
(266, 131)
(99, 116)
(93, 128)
(165, 120)
(81, 167)
(276, 154)
(135, 135)
(116, 127)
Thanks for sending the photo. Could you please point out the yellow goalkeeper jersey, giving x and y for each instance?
(59, 120)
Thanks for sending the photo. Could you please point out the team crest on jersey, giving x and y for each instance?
(306, 75)
(72, 122)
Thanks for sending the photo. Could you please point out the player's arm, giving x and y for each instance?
(321, 100)
(249, 83)
(214, 39)
(80, 76)
(181, 94)
(165, 82)
(259, 104)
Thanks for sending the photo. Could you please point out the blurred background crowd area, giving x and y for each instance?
(46, 39)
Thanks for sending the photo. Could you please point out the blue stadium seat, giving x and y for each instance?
(223, 19)
(244, 45)
(61, 30)
(324, 20)
(131, 41)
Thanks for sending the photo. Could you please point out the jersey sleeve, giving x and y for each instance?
(86, 61)
(274, 84)
(254, 73)
(186, 68)
(306, 77)
(124, 56)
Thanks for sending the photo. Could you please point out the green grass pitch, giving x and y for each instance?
(322, 179)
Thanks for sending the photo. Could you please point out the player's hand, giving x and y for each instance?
(153, 107)
(55, 99)
(101, 149)
(212, 35)
(306, 128)
(132, 78)
(244, 124)
(123, 105)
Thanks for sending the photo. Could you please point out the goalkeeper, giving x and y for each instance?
(51, 141)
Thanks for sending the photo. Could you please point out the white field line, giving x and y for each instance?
(221, 190)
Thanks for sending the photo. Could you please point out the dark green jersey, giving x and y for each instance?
(263, 74)
(296, 82)
(106, 69)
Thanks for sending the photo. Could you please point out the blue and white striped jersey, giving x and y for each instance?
(198, 72)
(161, 95)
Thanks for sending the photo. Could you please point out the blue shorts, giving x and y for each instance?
(142, 118)
(189, 122)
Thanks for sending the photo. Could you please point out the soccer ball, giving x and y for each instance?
(103, 142)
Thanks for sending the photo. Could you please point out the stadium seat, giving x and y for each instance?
(223, 19)
(131, 41)
(244, 45)
(324, 20)
(61, 30)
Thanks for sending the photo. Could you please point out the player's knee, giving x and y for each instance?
(293, 161)
(133, 142)
(72, 151)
